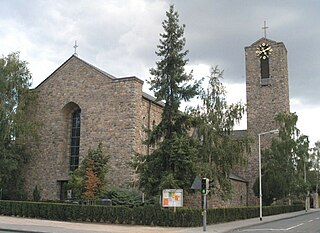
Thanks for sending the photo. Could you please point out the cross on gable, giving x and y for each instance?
(75, 48)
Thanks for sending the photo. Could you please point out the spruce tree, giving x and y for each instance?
(172, 163)
(170, 82)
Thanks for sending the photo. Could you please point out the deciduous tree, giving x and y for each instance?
(285, 163)
(92, 182)
(88, 180)
(220, 151)
(313, 176)
(15, 125)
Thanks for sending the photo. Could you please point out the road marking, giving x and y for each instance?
(273, 229)
(288, 229)
(267, 229)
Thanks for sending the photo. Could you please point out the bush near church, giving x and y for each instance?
(143, 215)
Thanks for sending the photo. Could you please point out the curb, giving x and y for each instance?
(19, 231)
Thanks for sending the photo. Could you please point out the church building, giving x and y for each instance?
(80, 106)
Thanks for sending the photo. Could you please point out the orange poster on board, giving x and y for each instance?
(166, 201)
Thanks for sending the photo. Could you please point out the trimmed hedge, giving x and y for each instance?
(232, 214)
(144, 215)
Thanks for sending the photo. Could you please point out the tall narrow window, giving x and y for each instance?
(75, 140)
(264, 68)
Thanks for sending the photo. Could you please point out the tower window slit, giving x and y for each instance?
(265, 74)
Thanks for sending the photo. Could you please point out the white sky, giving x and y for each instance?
(120, 37)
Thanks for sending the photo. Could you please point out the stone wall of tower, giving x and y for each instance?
(264, 102)
(111, 113)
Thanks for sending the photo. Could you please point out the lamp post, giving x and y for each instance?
(276, 131)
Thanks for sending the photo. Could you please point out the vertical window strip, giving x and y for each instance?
(264, 68)
(75, 140)
(265, 73)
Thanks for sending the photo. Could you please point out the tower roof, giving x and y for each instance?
(263, 39)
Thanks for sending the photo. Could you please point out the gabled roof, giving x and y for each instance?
(107, 75)
(263, 39)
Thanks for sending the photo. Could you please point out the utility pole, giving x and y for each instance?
(275, 131)
(317, 181)
(204, 212)
(305, 181)
(204, 191)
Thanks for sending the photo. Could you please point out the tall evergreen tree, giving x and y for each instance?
(15, 125)
(171, 164)
(170, 82)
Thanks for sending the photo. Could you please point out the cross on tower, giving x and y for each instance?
(75, 48)
(265, 29)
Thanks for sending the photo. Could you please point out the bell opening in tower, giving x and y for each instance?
(265, 75)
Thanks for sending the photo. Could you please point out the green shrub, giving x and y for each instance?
(142, 215)
(122, 197)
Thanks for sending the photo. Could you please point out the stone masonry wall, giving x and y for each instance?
(264, 102)
(111, 113)
(238, 198)
(149, 115)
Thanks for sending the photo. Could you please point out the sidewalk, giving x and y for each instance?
(46, 226)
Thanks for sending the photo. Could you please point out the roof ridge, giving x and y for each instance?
(83, 61)
(96, 68)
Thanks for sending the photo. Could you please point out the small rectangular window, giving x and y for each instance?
(264, 68)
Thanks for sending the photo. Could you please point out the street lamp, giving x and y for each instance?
(276, 131)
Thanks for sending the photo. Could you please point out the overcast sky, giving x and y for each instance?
(120, 37)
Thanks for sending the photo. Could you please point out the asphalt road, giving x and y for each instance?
(301, 224)
(300, 221)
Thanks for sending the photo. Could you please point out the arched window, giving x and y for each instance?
(75, 139)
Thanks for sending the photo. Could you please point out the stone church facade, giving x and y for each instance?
(80, 106)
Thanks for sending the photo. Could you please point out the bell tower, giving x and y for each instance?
(267, 93)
